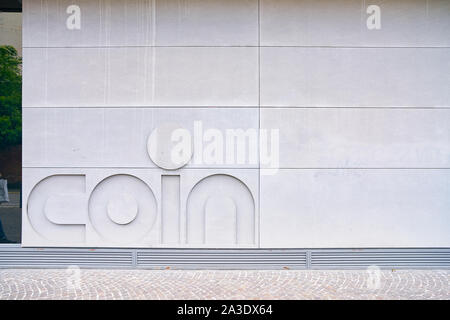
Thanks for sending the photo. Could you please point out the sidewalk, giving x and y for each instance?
(14, 200)
(171, 284)
(11, 216)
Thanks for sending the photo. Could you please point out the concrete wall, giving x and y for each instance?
(363, 118)
(11, 30)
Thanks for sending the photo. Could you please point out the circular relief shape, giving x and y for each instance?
(122, 209)
(170, 146)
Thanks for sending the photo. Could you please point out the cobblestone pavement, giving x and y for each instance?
(176, 284)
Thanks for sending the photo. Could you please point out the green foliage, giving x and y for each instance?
(10, 97)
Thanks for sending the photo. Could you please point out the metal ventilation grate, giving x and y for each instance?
(13, 256)
(383, 258)
(33, 258)
(222, 259)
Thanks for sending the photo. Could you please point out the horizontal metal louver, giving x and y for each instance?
(383, 258)
(13, 256)
(222, 259)
(33, 258)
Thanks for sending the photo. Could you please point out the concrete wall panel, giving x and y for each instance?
(355, 77)
(404, 23)
(207, 23)
(92, 207)
(355, 208)
(113, 23)
(118, 137)
(361, 138)
(85, 77)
